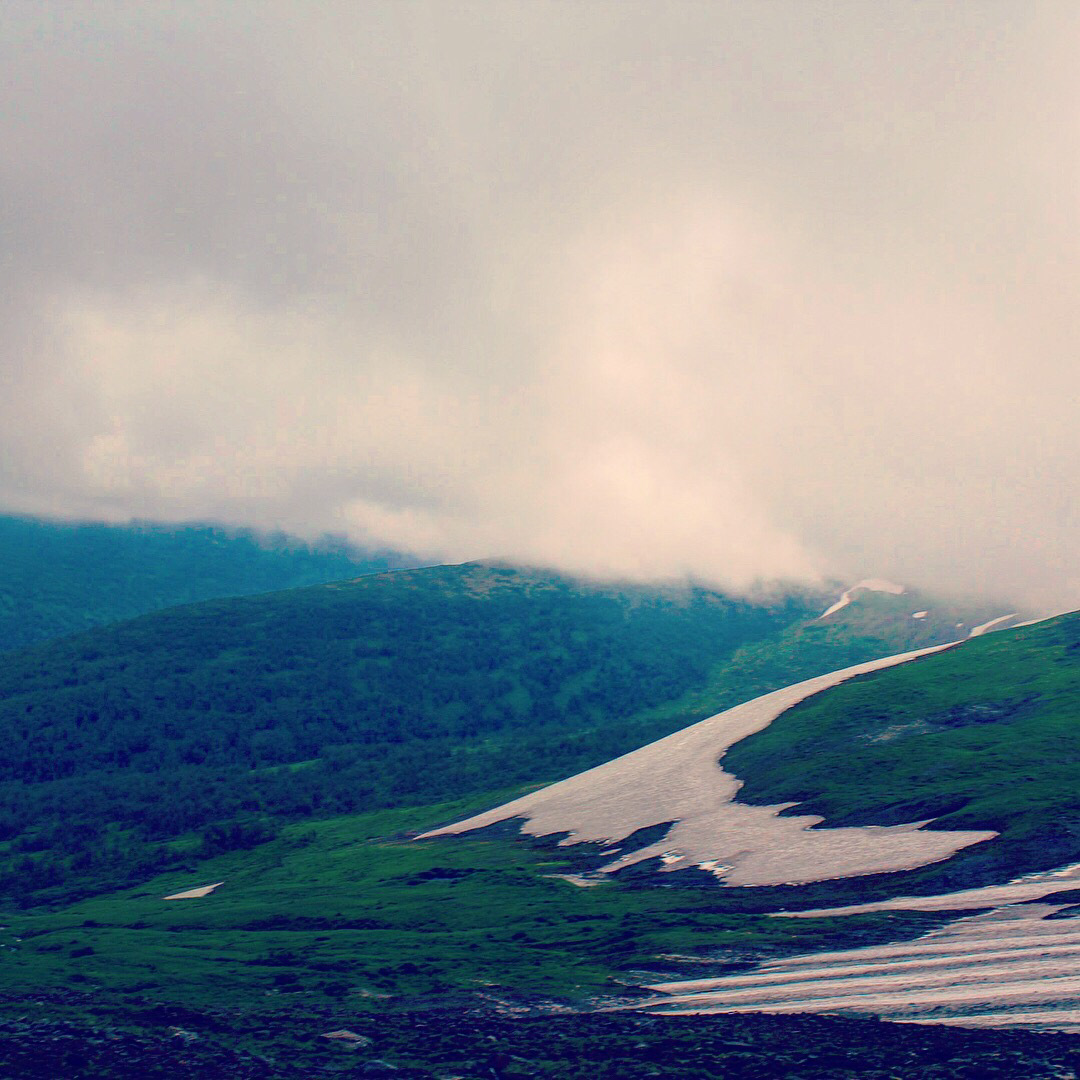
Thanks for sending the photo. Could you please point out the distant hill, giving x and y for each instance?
(228, 717)
(59, 578)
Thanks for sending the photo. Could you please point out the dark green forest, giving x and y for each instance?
(59, 578)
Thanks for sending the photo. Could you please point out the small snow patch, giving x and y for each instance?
(919, 614)
(986, 627)
(349, 1037)
(194, 894)
(679, 783)
(870, 585)
(579, 880)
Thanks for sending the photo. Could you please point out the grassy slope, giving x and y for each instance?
(391, 690)
(331, 913)
(986, 735)
(350, 913)
(61, 578)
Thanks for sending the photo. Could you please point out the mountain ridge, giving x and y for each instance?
(63, 577)
(389, 689)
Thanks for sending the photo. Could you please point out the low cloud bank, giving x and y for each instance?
(737, 292)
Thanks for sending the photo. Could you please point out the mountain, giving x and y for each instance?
(942, 781)
(443, 955)
(59, 578)
(389, 690)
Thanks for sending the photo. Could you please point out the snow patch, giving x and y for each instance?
(1022, 890)
(870, 585)
(1007, 967)
(679, 779)
(919, 614)
(194, 894)
(986, 627)
(575, 879)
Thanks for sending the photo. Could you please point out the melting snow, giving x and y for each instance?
(986, 627)
(1004, 968)
(194, 894)
(871, 585)
(1020, 890)
(678, 779)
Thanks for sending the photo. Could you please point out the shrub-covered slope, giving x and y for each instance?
(983, 736)
(394, 689)
(60, 578)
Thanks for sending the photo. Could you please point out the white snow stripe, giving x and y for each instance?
(679, 779)
(952, 960)
(871, 585)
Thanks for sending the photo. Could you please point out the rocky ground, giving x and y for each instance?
(482, 1043)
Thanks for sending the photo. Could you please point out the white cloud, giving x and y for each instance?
(736, 291)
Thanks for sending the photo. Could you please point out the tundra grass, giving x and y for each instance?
(353, 908)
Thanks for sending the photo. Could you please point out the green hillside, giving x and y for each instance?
(259, 738)
(346, 922)
(353, 903)
(232, 716)
(983, 736)
(60, 578)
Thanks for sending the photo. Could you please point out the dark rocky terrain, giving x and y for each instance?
(492, 1043)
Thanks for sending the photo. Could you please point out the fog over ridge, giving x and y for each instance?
(735, 291)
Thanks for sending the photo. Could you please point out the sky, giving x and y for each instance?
(739, 291)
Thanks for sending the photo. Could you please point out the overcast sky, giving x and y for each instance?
(737, 290)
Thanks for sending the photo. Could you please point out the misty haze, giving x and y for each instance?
(732, 291)
(539, 539)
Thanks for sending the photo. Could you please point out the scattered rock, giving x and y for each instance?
(349, 1038)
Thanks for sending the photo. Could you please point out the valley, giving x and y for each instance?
(538, 540)
(273, 818)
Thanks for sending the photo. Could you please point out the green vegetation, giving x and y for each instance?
(61, 578)
(351, 907)
(984, 736)
(234, 716)
(389, 690)
(432, 950)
